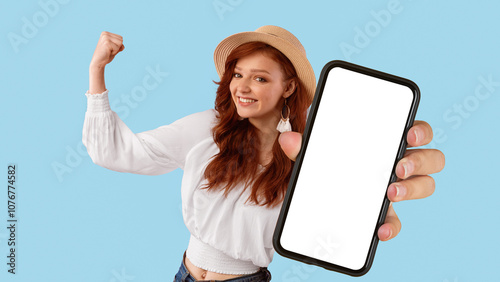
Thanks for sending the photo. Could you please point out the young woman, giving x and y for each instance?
(236, 162)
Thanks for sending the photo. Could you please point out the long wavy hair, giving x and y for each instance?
(238, 159)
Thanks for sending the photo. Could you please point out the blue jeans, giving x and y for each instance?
(263, 275)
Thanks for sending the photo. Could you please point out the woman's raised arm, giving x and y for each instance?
(111, 144)
(108, 46)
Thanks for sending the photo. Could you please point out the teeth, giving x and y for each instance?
(247, 100)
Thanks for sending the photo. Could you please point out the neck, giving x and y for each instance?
(266, 127)
(267, 135)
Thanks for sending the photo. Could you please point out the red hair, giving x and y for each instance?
(238, 159)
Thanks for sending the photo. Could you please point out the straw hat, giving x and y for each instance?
(280, 39)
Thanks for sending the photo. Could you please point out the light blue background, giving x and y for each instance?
(93, 224)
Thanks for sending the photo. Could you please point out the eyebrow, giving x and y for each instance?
(253, 70)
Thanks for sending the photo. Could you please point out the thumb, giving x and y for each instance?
(290, 143)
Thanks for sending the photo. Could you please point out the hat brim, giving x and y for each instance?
(301, 64)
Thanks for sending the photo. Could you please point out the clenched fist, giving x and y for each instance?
(108, 46)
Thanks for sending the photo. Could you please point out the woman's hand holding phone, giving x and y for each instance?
(413, 172)
(413, 182)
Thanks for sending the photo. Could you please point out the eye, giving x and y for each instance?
(260, 79)
(236, 75)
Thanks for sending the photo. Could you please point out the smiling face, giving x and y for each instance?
(258, 88)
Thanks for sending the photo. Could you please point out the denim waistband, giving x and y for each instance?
(183, 275)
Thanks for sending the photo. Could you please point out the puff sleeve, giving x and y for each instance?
(111, 144)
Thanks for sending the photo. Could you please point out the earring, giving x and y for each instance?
(284, 124)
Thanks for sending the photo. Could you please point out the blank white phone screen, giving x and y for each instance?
(346, 169)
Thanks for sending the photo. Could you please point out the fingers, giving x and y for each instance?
(416, 187)
(391, 227)
(419, 134)
(113, 41)
(420, 162)
(112, 37)
(108, 46)
(106, 33)
(290, 143)
(412, 169)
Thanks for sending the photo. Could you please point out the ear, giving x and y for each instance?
(290, 87)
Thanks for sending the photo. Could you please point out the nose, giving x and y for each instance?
(243, 85)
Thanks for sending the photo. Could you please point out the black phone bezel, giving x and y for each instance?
(296, 169)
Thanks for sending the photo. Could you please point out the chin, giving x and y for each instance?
(243, 113)
(243, 116)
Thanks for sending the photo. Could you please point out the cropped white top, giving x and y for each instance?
(227, 235)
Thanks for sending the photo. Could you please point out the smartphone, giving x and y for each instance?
(337, 195)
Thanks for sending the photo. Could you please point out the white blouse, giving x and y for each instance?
(227, 235)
